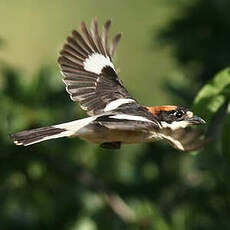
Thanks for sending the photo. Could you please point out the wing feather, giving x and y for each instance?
(114, 45)
(89, 74)
(104, 36)
(96, 37)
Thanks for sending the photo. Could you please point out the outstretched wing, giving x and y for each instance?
(89, 74)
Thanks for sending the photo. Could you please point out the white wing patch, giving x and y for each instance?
(130, 117)
(115, 104)
(96, 62)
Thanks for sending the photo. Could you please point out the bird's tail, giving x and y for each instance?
(29, 137)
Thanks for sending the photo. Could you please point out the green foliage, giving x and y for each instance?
(71, 184)
(213, 95)
(199, 36)
(212, 103)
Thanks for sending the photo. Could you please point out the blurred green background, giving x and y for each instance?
(169, 51)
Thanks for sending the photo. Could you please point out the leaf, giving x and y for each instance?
(212, 96)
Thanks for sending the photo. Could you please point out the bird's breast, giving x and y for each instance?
(97, 134)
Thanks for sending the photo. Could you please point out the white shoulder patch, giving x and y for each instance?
(96, 62)
(115, 104)
(130, 117)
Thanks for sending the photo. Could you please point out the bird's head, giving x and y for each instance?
(175, 117)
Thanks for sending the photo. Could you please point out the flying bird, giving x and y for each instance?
(115, 117)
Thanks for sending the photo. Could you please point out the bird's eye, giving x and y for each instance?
(179, 114)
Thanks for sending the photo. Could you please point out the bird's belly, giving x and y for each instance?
(102, 135)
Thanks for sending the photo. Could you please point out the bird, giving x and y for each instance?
(115, 117)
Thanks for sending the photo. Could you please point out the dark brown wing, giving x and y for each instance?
(131, 117)
(89, 74)
(114, 122)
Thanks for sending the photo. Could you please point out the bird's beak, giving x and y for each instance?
(195, 120)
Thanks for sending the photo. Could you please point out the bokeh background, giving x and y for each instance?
(169, 50)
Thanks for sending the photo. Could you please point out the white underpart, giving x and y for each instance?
(115, 104)
(71, 128)
(130, 117)
(175, 125)
(96, 62)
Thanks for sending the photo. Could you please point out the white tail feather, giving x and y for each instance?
(29, 137)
